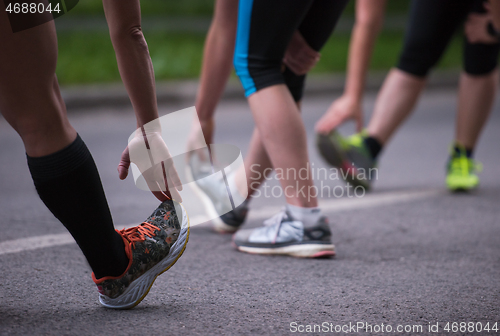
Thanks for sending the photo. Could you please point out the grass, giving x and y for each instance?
(88, 57)
(202, 7)
(153, 7)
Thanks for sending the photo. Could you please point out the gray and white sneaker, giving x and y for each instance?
(232, 221)
(214, 196)
(283, 235)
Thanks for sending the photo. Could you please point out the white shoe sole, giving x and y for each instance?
(300, 251)
(140, 287)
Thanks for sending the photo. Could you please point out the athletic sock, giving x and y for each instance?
(68, 183)
(308, 216)
(373, 145)
(457, 150)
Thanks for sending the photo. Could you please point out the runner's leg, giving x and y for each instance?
(62, 168)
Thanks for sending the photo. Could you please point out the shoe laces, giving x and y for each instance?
(276, 220)
(462, 165)
(139, 233)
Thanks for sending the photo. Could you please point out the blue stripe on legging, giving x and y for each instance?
(241, 49)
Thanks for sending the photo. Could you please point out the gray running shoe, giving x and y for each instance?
(350, 156)
(283, 235)
(232, 221)
(215, 197)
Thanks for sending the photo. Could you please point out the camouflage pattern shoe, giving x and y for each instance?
(152, 247)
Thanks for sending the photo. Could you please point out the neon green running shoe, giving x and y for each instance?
(350, 155)
(461, 171)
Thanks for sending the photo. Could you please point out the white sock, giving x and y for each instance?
(308, 216)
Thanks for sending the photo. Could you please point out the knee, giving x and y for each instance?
(481, 59)
(36, 111)
(295, 84)
(32, 128)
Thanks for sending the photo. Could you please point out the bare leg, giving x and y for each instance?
(284, 138)
(67, 181)
(395, 102)
(257, 165)
(29, 93)
(217, 63)
(475, 100)
(369, 21)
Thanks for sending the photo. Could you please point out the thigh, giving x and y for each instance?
(320, 21)
(263, 33)
(431, 27)
(316, 28)
(264, 30)
(480, 59)
(28, 86)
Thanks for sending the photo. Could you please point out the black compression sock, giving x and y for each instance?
(373, 145)
(457, 150)
(68, 183)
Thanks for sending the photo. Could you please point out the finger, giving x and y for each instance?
(175, 195)
(160, 196)
(124, 165)
(172, 173)
(296, 67)
(169, 173)
(168, 185)
(328, 123)
(308, 61)
(159, 190)
(172, 192)
(122, 172)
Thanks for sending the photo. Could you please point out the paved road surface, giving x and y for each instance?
(408, 254)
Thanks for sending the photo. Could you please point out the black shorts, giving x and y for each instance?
(431, 27)
(265, 27)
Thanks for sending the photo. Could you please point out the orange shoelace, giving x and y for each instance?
(139, 233)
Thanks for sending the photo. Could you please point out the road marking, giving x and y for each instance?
(328, 206)
(34, 243)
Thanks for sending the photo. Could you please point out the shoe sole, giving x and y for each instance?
(333, 155)
(462, 189)
(140, 287)
(457, 187)
(217, 223)
(299, 251)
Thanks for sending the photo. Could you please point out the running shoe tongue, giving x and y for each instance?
(281, 216)
(165, 217)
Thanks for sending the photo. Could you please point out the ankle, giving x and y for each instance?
(459, 149)
(308, 216)
(373, 145)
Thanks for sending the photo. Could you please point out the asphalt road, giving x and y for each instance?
(408, 254)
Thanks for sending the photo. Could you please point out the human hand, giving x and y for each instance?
(341, 110)
(198, 140)
(150, 154)
(299, 57)
(476, 28)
